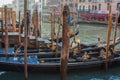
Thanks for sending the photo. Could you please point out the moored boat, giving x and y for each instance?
(51, 64)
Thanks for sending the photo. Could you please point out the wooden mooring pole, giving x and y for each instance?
(57, 36)
(3, 22)
(108, 35)
(115, 31)
(52, 27)
(19, 29)
(25, 40)
(6, 30)
(65, 43)
(36, 22)
(59, 26)
(40, 24)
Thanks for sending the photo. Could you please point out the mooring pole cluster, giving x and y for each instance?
(65, 43)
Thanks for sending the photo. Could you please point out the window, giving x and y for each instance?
(95, 7)
(89, 0)
(79, 7)
(118, 5)
(89, 7)
(83, 8)
(76, 4)
(99, 6)
(71, 4)
(92, 7)
(83, 0)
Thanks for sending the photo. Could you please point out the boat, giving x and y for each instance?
(46, 51)
(48, 61)
(36, 64)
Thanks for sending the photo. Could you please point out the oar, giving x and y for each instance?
(115, 31)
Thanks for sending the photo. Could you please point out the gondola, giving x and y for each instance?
(47, 61)
(36, 64)
(47, 52)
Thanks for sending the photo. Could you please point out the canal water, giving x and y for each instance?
(89, 33)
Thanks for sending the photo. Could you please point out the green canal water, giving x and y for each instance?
(88, 34)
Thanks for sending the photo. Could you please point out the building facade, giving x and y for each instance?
(18, 5)
(97, 6)
(73, 4)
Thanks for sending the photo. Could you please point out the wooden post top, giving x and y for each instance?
(66, 10)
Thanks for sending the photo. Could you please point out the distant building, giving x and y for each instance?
(54, 5)
(97, 6)
(97, 10)
(18, 5)
(73, 4)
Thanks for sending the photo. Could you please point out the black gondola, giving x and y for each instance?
(51, 64)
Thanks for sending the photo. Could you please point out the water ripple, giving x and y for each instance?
(1, 73)
(114, 78)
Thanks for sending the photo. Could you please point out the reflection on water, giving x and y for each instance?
(2, 73)
(112, 74)
(88, 34)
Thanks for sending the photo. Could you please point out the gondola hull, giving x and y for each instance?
(55, 66)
